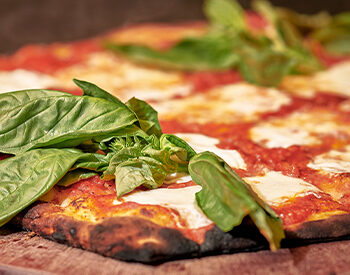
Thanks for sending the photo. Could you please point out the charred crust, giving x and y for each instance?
(137, 239)
(242, 238)
(59, 234)
(326, 229)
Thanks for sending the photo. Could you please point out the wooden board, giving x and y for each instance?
(25, 253)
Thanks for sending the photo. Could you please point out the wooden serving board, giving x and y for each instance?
(24, 253)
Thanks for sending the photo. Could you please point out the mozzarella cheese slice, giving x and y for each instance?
(23, 79)
(181, 199)
(227, 103)
(201, 143)
(275, 188)
(299, 128)
(334, 161)
(334, 80)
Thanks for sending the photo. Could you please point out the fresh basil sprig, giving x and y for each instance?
(263, 59)
(211, 52)
(54, 137)
(135, 161)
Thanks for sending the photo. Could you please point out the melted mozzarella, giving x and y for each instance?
(275, 188)
(334, 161)
(299, 128)
(201, 143)
(125, 79)
(227, 103)
(334, 80)
(23, 79)
(181, 199)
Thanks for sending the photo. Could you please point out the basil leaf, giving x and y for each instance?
(11, 100)
(225, 14)
(179, 150)
(336, 36)
(75, 176)
(306, 22)
(91, 89)
(147, 116)
(136, 161)
(60, 121)
(132, 174)
(287, 40)
(340, 45)
(26, 177)
(92, 161)
(260, 64)
(226, 199)
(198, 53)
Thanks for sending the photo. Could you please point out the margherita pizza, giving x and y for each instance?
(251, 149)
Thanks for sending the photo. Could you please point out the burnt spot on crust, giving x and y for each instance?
(59, 234)
(136, 239)
(242, 238)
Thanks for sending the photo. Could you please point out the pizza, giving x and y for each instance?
(251, 150)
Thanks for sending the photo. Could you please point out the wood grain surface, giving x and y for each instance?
(25, 253)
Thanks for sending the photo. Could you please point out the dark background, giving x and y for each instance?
(42, 21)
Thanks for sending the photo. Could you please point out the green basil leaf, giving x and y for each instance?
(262, 65)
(225, 14)
(147, 116)
(149, 158)
(26, 177)
(75, 176)
(306, 22)
(132, 174)
(12, 100)
(92, 90)
(287, 41)
(60, 121)
(340, 45)
(179, 150)
(226, 199)
(92, 161)
(199, 53)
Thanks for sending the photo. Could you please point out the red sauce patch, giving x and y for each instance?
(203, 81)
(299, 209)
(327, 59)
(49, 58)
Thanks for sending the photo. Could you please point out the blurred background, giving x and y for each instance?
(43, 21)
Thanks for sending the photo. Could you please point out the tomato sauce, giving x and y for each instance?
(299, 209)
(203, 81)
(49, 58)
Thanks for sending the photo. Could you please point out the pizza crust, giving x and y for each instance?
(134, 238)
(137, 239)
(331, 228)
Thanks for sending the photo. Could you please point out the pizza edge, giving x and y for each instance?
(137, 239)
